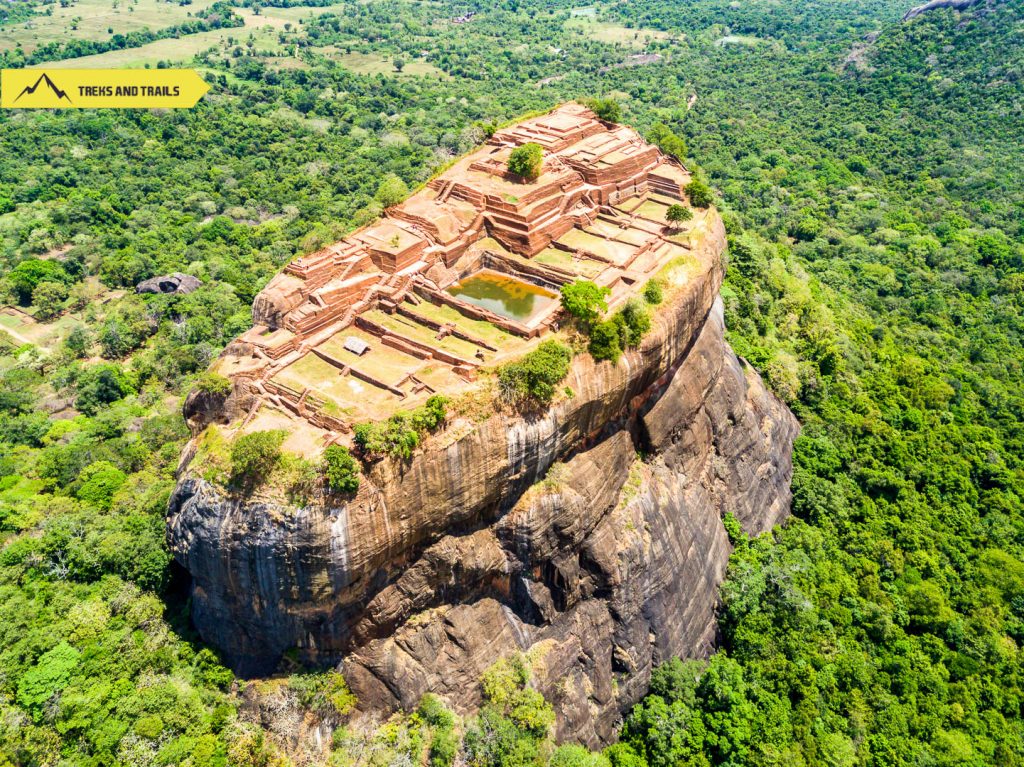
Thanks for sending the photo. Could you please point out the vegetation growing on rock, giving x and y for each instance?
(653, 293)
(535, 376)
(514, 723)
(340, 469)
(607, 109)
(254, 455)
(400, 434)
(584, 300)
(667, 140)
(699, 194)
(212, 383)
(392, 190)
(526, 161)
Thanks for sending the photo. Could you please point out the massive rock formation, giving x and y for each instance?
(589, 534)
(604, 569)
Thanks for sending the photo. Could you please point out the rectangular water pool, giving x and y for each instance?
(508, 296)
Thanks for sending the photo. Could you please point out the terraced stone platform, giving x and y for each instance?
(596, 212)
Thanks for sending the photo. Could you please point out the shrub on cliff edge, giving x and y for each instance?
(667, 141)
(400, 434)
(392, 190)
(635, 322)
(607, 109)
(535, 375)
(653, 293)
(605, 340)
(584, 300)
(254, 456)
(214, 383)
(340, 469)
(699, 193)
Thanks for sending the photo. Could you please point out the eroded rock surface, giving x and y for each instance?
(606, 568)
(169, 283)
(957, 5)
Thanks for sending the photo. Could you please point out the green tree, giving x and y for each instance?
(677, 214)
(99, 385)
(444, 742)
(699, 194)
(624, 755)
(78, 342)
(584, 300)
(534, 376)
(254, 455)
(605, 341)
(807, 228)
(607, 109)
(636, 321)
(572, 755)
(392, 190)
(401, 434)
(48, 299)
(526, 161)
(340, 469)
(214, 383)
(100, 481)
(47, 678)
(431, 416)
(653, 293)
(30, 273)
(667, 141)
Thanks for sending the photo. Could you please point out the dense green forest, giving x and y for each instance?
(872, 181)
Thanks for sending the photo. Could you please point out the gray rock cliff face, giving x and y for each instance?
(544, 534)
(957, 5)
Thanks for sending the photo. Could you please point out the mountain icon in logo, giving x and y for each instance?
(44, 78)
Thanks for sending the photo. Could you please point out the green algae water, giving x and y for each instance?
(504, 295)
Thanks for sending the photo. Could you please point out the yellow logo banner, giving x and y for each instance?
(100, 88)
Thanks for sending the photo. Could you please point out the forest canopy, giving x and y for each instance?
(870, 175)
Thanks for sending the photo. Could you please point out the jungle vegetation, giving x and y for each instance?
(870, 175)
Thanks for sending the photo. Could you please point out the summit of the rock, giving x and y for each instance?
(412, 304)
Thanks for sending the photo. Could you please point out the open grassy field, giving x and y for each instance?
(26, 330)
(608, 32)
(585, 267)
(492, 334)
(747, 40)
(376, 63)
(97, 20)
(181, 50)
(295, 15)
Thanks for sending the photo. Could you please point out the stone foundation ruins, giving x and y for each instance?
(368, 325)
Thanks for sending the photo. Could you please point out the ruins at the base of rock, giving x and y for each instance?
(377, 305)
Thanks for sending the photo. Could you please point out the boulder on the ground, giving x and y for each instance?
(169, 283)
